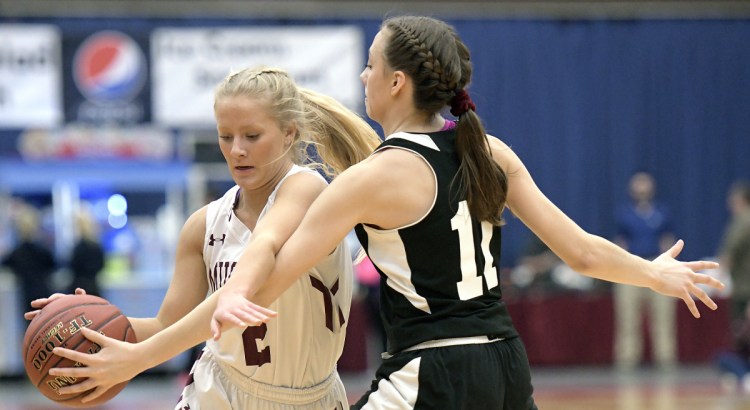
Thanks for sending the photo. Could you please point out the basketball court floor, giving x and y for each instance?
(686, 388)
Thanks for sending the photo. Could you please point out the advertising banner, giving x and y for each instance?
(79, 141)
(30, 76)
(106, 75)
(188, 63)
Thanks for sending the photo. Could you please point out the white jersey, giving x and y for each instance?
(299, 348)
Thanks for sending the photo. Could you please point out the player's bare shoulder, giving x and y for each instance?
(375, 171)
(400, 166)
(194, 229)
(503, 154)
(302, 184)
(196, 218)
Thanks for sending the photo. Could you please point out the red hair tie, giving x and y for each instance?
(461, 102)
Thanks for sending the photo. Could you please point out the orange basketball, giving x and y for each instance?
(59, 324)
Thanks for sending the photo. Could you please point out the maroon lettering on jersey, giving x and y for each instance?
(328, 302)
(220, 273)
(254, 356)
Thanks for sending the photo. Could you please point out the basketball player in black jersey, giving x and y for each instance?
(427, 209)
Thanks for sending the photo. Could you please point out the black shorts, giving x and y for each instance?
(493, 376)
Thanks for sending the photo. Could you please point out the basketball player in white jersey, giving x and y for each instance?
(290, 361)
(262, 118)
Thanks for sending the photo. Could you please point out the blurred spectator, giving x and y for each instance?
(734, 254)
(539, 270)
(87, 256)
(30, 261)
(534, 268)
(734, 365)
(644, 228)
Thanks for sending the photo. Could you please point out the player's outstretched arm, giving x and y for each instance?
(363, 193)
(254, 286)
(592, 255)
(292, 203)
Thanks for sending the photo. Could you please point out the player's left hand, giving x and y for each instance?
(234, 310)
(680, 279)
(39, 304)
(115, 363)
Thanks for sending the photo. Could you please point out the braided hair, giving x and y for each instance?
(431, 53)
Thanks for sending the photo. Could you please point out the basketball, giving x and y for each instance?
(58, 325)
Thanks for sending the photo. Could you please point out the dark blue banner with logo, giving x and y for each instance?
(106, 76)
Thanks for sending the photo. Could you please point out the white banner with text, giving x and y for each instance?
(30, 76)
(188, 63)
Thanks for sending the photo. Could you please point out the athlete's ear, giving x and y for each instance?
(290, 133)
(398, 82)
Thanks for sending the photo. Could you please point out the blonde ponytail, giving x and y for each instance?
(341, 137)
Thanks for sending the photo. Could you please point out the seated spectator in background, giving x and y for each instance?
(534, 267)
(31, 262)
(539, 270)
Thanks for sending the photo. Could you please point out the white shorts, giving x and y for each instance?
(215, 386)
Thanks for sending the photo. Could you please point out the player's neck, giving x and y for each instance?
(415, 124)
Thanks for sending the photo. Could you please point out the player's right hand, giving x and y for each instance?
(111, 365)
(234, 310)
(38, 304)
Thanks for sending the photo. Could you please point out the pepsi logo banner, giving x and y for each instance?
(188, 63)
(109, 71)
(30, 76)
(109, 66)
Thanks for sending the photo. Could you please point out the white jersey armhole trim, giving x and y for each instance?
(434, 199)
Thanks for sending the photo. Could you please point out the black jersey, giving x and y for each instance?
(440, 275)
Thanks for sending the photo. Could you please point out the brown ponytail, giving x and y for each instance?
(484, 182)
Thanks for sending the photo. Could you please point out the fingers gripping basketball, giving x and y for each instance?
(58, 325)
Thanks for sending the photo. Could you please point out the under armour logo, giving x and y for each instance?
(212, 240)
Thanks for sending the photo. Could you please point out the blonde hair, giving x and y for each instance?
(86, 224)
(340, 136)
(27, 222)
